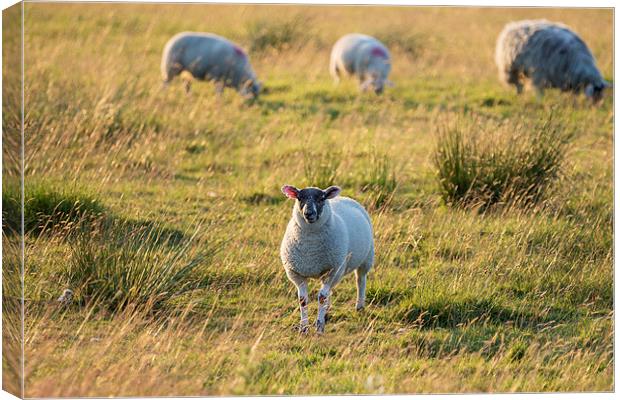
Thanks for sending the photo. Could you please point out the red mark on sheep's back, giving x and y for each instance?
(239, 52)
(378, 52)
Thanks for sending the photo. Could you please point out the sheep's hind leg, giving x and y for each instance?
(188, 86)
(324, 294)
(329, 281)
(219, 89)
(187, 77)
(360, 275)
(335, 73)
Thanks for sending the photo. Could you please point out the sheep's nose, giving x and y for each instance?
(310, 216)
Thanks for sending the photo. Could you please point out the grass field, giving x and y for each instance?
(163, 211)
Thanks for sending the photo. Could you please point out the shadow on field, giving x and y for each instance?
(309, 103)
(454, 313)
(329, 96)
(145, 228)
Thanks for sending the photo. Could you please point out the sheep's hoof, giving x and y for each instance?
(302, 329)
(359, 308)
(320, 326)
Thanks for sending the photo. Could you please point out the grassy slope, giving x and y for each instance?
(459, 302)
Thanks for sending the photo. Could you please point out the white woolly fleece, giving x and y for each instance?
(207, 57)
(361, 56)
(548, 53)
(343, 231)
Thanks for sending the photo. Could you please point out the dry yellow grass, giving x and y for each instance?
(513, 300)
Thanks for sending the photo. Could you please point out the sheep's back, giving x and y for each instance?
(205, 54)
(513, 39)
(559, 58)
(354, 48)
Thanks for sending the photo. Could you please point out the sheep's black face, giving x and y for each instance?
(597, 94)
(595, 91)
(311, 200)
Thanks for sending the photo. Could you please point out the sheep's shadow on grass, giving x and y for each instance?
(310, 103)
(482, 341)
(492, 102)
(454, 313)
(273, 89)
(329, 97)
(382, 296)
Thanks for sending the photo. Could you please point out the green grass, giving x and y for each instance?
(188, 188)
(115, 265)
(46, 206)
(265, 34)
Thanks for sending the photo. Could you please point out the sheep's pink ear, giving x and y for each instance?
(332, 192)
(290, 191)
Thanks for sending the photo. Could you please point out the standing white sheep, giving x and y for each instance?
(207, 56)
(364, 57)
(549, 54)
(327, 237)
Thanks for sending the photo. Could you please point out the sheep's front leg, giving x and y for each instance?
(302, 295)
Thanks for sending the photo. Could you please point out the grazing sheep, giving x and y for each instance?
(551, 55)
(209, 57)
(364, 57)
(327, 237)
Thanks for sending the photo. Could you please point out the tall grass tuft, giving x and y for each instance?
(277, 35)
(119, 264)
(378, 178)
(513, 165)
(46, 206)
(321, 168)
(403, 40)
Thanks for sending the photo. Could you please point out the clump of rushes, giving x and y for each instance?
(116, 265)
(512, 164)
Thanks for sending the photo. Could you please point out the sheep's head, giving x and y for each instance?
(310, 202)
(595, 91)
(251, 88)
(377, 72)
